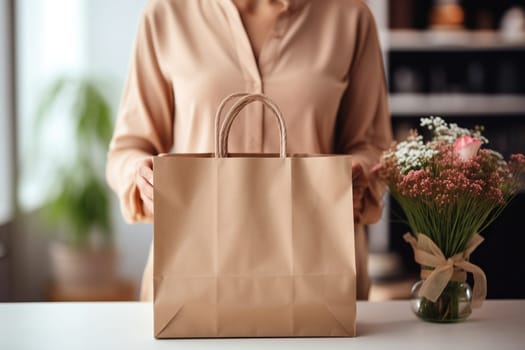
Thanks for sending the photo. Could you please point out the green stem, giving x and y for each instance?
(453, 305)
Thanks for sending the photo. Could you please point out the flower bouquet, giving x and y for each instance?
(450, 190)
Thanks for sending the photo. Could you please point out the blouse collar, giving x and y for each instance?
(292, 4)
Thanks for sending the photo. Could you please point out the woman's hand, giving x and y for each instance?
(144, 181)
(359, 185)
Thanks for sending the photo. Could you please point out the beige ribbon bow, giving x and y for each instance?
(427, 253)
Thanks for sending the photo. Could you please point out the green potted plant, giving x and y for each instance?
(78, 204)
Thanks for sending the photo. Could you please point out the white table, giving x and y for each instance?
(128, 325)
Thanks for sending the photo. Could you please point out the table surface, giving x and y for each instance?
(499, 324)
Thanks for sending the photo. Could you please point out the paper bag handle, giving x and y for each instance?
(218, 117)
(243, 101)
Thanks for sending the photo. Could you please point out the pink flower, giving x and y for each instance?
(467, 147)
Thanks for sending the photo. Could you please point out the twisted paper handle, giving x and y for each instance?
(218, 114)
(427, 253)
(221, 135)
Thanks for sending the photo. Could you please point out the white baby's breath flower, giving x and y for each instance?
(413, 154)
(443, 132)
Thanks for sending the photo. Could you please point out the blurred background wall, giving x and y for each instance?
(53, 38)
(462, 60)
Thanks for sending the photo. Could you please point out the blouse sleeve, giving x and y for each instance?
(363, 126)
(144, 125)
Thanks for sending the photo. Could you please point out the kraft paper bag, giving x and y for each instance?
(253, 245)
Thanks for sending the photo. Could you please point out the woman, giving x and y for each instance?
(319, 60)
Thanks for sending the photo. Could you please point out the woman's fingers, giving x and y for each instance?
(144, 182)
(147, 205)
(146, 170)
(145, 188)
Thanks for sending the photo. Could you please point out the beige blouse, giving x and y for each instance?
(321, 64)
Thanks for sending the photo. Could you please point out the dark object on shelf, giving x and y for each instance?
(402, 14)
(508, 81)
(476, 77)
(484, 20)
(447, 14)
(438, 79)
(407, 79)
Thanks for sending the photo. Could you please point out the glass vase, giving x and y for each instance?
(453, 305)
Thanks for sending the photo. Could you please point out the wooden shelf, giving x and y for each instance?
(456, 104)
(399, 289)
(120, 290)
(432, 40)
